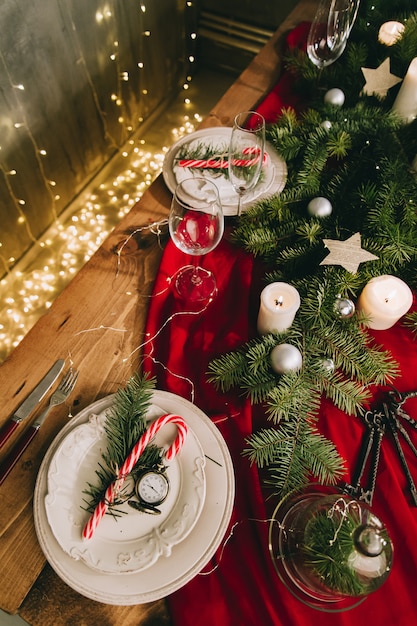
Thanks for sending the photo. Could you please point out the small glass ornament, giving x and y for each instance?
(326, 124)
(327, 365)
(344, 307)
(335, 96)
(319, 207)
(330, 550)
(286, 358)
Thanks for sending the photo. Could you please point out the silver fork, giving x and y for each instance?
(66, 386)
(59, 396)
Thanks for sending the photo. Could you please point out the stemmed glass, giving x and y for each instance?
(196, 226)
(330, 30)
(246, 152)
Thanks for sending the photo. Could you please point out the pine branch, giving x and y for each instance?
(293, 394)
(411, 322)
(227, 371)
(294, 452)
(358, 157)
(125, 423)
(328, 558)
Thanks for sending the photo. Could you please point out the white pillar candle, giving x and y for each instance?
(385, 299)
(390, 33)
(279, 304)
(405, 104)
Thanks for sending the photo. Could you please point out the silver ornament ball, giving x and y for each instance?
(335, 96)
(369, 540)
(344, 307)
(286, 358)
(320, 207)
(328, 365)
(326, 124)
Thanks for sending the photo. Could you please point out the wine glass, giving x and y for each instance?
(246, 152)
(196, 226)
(330, 30)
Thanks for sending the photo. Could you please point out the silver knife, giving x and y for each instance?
(31, 401)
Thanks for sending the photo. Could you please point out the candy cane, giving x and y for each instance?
(130, 462)
(204, 163)
(222, 163)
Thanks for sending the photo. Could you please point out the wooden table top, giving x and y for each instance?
(96, 324)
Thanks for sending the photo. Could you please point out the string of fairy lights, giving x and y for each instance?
(30, 286)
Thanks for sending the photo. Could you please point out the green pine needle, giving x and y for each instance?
(358, 156)
(125, 424)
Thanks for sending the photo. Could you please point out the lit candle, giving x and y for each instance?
(279, 304)
(405, 104)
(384, 300)
(390, 33)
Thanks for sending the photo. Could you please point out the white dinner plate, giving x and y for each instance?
(187, 558)
(133, 540)
(273, 178)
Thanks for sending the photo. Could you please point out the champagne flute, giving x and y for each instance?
(246, 152)
(196, 226)
(330, 30)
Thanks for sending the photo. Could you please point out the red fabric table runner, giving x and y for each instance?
(242, 588)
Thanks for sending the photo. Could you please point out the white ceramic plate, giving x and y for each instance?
(274, 170)
(134, 540)
(187, 558)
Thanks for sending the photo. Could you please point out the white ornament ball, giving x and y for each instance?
(335, 96)
(320, 207)
(286, 358)
(326, 124)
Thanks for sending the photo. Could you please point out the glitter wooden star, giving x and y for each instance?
(349, 253)
(379, 80)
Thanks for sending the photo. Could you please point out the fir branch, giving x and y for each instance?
(125, 423)
(411, 322)
(358, 157)
(293, 394)
(226, 371)
(294, 453)
(348, 395)
(329, 559)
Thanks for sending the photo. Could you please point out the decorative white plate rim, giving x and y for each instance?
(276, 169)
(135, 540)
(188, 558)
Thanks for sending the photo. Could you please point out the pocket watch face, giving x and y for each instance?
(152, 487)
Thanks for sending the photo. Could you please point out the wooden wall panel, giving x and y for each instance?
(65, 104)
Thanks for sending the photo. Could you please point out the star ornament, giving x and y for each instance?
(349, 253)
(379, 80)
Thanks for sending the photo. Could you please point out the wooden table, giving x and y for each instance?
(96, 324)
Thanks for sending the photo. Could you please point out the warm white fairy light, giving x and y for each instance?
(68, 246)
(71, 242)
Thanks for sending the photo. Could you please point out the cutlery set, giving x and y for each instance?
(64, 389)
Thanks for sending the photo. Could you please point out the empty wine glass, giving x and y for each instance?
(196, 226)
(246, 152)
(330, 30)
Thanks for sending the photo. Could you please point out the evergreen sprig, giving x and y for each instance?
(329, 559)
(358, 156)
(205, 152)
(124, 425)
(292, 453)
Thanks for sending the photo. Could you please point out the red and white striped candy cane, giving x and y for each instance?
(204, 163)
(210, 164)
(130, 462)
